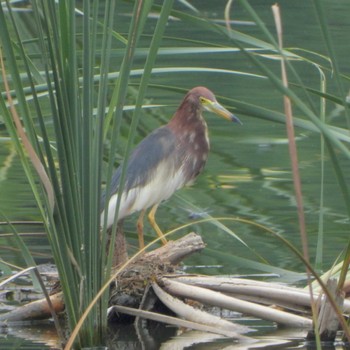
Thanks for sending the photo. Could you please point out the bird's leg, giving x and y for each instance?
(152, 220)
(140, 229)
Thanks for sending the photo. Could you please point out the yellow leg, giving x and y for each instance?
(151, 217)
(140, 229)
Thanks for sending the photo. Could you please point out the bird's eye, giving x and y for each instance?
(202, 99)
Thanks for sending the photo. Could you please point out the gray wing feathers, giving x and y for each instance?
(152, 150)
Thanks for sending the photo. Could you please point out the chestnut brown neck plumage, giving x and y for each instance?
(190, 128)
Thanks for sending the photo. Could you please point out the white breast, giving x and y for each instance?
(160, 187)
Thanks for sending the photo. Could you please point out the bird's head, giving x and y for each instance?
(209, 103)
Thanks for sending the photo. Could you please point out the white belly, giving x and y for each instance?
(161, 186)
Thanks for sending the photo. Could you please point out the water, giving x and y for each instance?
(248, 172)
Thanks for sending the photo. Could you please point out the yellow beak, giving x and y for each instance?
(215, 107)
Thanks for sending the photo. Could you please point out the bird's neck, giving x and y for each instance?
(187, 117)
(190, 126)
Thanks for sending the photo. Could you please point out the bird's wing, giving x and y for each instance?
(156, 148)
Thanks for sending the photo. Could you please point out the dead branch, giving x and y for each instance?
(213, 298)
(36, 310)
(264, 292)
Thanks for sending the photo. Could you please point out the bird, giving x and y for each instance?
(166, 160)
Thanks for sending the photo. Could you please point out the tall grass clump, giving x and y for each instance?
(58, 102)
